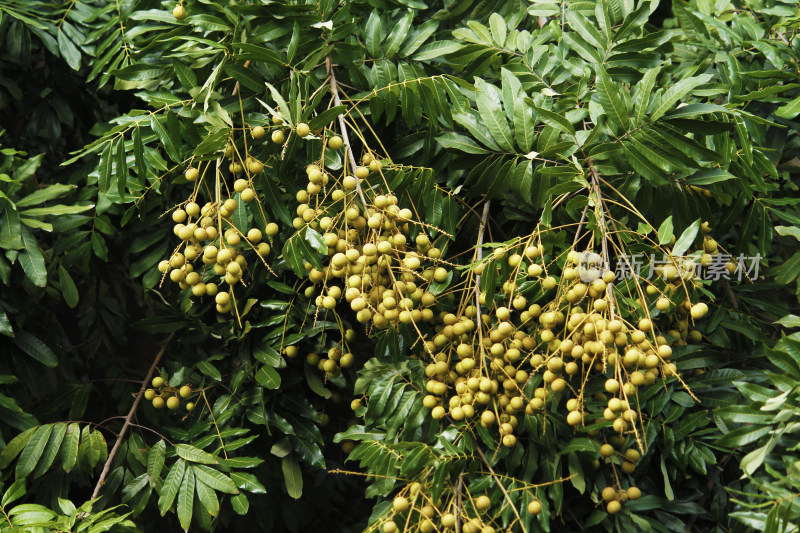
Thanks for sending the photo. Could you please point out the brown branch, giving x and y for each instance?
(502, 488)
(478, 257)
(128, 418)
(343, 127)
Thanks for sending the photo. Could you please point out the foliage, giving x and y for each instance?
(394, 241)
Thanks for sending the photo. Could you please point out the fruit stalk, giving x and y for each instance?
(343, 127)
(128, 418)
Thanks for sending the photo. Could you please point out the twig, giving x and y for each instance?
(128, 418)
(502, 488)
(236, 87)
(457, 510)
(343, 127)
(479, 256)
(604, 230)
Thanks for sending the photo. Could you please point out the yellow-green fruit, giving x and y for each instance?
(185, 391)
(272, 229)
(189, 406)
(149, 394)
(278, 137)
(158, 381)
(173, 403)
(302, 129)
(258, 132)
(255, 166)
(400, 504)
(362, 172)
(179, 12)
(158, 402)
(613, 507)
(448, 520)
(535, 507)
(335, 142)
(389, 527)
(634, 493)
(482, 502)
(254, 235)
(606, 450)
(248, 195)
(191, 174)
(609, 494)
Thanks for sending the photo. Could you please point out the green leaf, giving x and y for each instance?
(608, 94)
(68, 50)
(292, 476)
(68, 288)
(677, 92)
(326, 117)
(14, 493)
(209, 370)
(36, 348)
(789, 321)
(195, 455)
(32, 260)
(457, 141)
(373, 34)
(170, 146)
(207, 497)
(15, 446)
(686, 239)
(282, 105)
(491, 112)
(43, 195)
(248, 482)
(215, 479)
(56, 210)
(437, 49)
(665, 231)
(186, 499)
(240, 504)
(555, 120)
(33, 451)
(788, 231)
(171, 486)
(155, 461)
(268, 377)
(790, 110)
(69, 448)
(51, 450)
(398, 35)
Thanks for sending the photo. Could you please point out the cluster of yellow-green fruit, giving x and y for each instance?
(161, 395)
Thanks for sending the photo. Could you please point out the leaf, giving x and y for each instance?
(665, 231)
(170, 146)
(555, 120)
(686, 239)
(497, 25)
(437, 49)
(248, 482)
(608, 94)
(789, 321)
(326, 117)
(51, 450)
(292, 476)
(43, 195)
(282, 105)
(215, 479)
(34, 347)
(14, 447)
(69, 448)
(33, 451)
(677, 92)
(14, 493)
(56, 210)
(207, 497)
(790, 110)
(195, 455)
(788, 231)
(185, 499)
(240, 504)
(491, 112)
(68, 50)
(457, 141)
(155, 461)
(68, 288)
(209, 370)
(32, 260)
(373, 34)
(171, 486)
(268, 377)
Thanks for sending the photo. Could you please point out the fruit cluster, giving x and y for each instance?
(162, 394)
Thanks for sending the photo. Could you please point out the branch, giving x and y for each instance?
(604, 231)
(128, 418)
(502, 488)
(479, 256)
(343, 127)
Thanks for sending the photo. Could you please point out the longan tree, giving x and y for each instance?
(421, 266)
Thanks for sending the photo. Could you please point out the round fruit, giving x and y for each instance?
(535, 507)
(278, 137)
(179, 12)
(609, 494)
(634, 493)
(149, 394)
(335, 142)
(158, 382)
(191, 174)
(482, 502)
(173, 403)
(258, 132)
(400, 504)
(158, 402)
(185, 391)
(613, 507)
(389, 527)
(302, 129)
(606, 450)
(189, 406)
(448, 520)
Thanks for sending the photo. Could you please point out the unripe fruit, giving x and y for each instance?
(634, 493)
(278, 137)
(254, 235)
(613, 507)
(389, 527)
(173, 403)
(535, 507)
(158, 402)
(482, 502)
(158, 382)
(185, 391)
(149, 394)
(272, 229)
(609, 494)
(258, 132)
(189, 406)
(191, 174)
(179, 12)
(302, 129)
(362, 172)
(606, 450)
(335, 142)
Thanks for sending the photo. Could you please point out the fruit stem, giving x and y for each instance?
(478, 257)
(502, 488)
(342, 126)
(128, 418)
